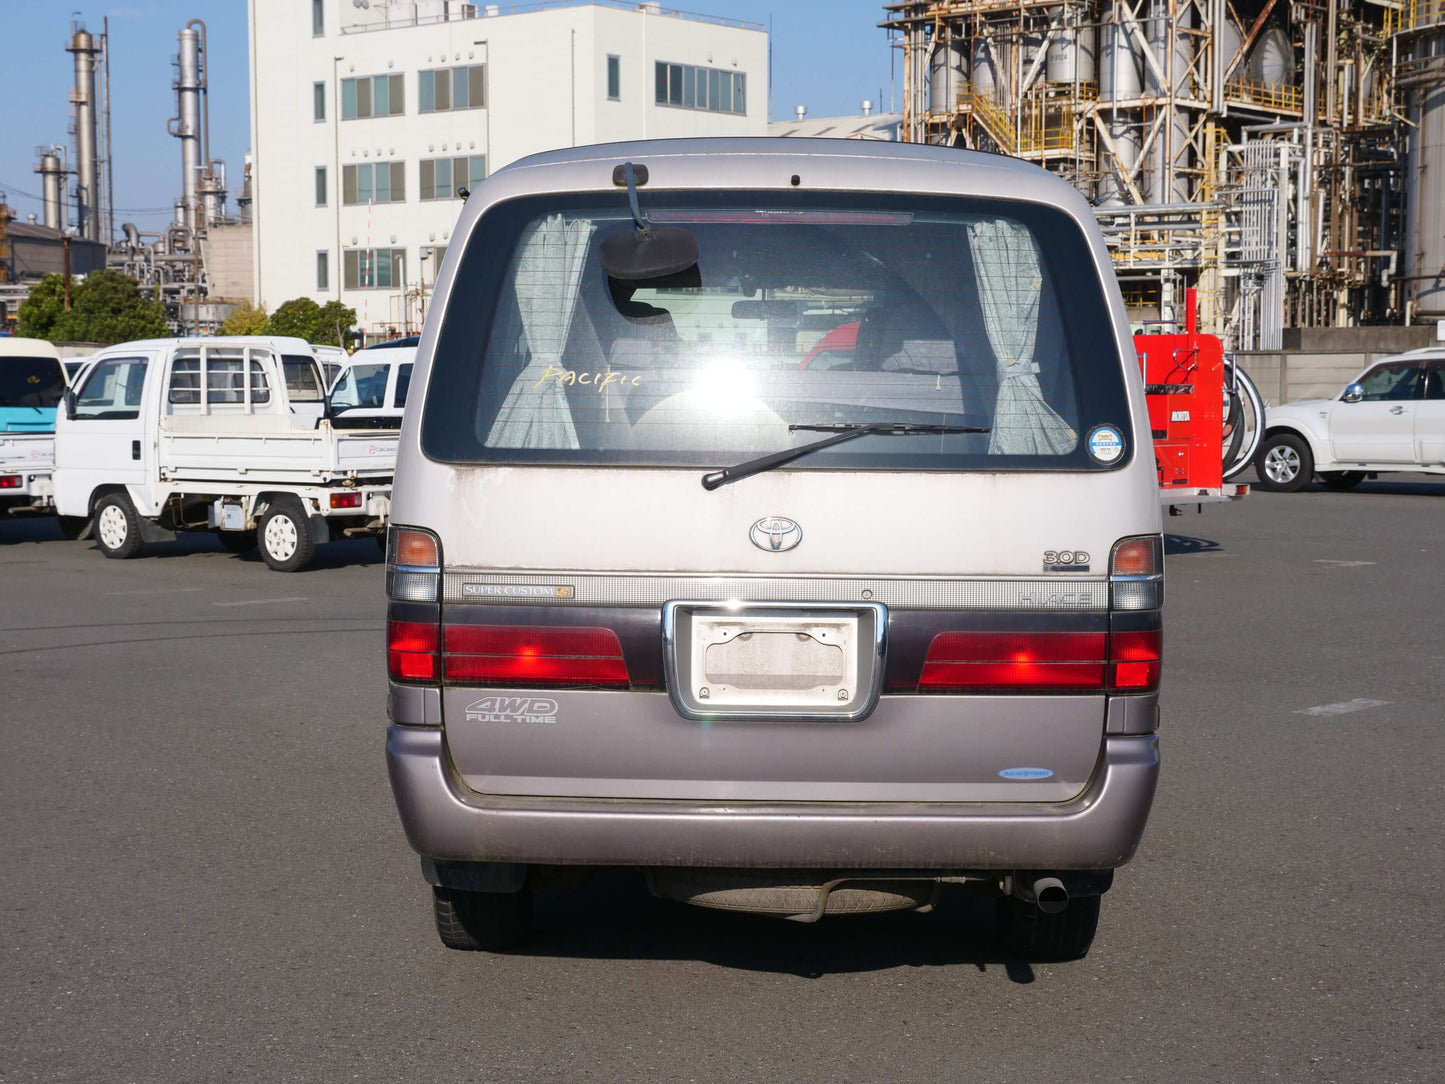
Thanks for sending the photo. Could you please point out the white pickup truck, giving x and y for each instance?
(171, 435)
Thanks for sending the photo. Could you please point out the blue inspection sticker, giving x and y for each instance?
(1027, 773)
(1106, 444)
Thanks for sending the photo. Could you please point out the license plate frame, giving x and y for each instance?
(730, 660)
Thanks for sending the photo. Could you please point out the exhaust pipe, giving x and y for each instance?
(1050, 895)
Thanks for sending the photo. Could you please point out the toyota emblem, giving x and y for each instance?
(775, 533)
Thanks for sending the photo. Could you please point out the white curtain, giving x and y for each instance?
(535, 413)
(1010, 284)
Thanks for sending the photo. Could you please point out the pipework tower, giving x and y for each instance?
(84, 48)
(1252, 149)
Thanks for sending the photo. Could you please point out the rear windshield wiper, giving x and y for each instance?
(841, 431)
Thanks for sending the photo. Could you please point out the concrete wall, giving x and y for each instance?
(1317, 363)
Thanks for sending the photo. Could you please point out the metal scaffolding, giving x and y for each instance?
(1255, 150)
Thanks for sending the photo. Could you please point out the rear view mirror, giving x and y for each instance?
(650, 253)
(69, 400)
(1354, 393)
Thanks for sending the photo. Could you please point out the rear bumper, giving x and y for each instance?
(34, 484)
(1098, 830)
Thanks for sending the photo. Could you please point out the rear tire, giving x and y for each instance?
(117, 527)
(237, 541)
(1342, 479)
(1024, 930)
(287, 544)
(1284, 463)
(481, 921)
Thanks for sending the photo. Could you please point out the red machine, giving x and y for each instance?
(1184, 379)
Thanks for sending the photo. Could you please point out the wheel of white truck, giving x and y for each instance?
(117, 527)
(287, 544)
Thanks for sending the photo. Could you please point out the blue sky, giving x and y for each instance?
(827, 54)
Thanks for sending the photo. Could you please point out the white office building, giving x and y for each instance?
(368, 115)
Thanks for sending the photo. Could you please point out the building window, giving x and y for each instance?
(373, 182)
(321, 186)
(441, 177)
(318, 18)
(318, 101)
(323, 271)
(440, 89)
(614, 78)
(372, 268)
(712, 89)
(373, 96)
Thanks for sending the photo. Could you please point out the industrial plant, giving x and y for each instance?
(1285, 159)
(199, 265)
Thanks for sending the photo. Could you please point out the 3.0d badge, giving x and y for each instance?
(775, 533)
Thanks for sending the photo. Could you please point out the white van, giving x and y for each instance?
(371, 390)
(789, 638)
(167, 435)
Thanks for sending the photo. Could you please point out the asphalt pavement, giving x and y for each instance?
(202, 876)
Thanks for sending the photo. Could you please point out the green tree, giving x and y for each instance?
(40, 313)
(333, 322)
(105, 307)
(246, 320)
(108, 308)
(315, 323)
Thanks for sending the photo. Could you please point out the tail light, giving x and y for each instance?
(514, 655)
(11, 481)
(1136, 573)
(413, 565)
(1136, 658)
(1015, 661)
(411, 651)
(346, 500)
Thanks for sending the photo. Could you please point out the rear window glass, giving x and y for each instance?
(808, 310)
(30, 382)
(303, 383)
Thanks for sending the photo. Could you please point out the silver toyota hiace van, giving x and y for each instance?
(777, 517)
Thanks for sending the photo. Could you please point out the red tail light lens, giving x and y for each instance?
(1013, 661)
(506, 655)
(11, 481)
(411, 651)
(1137, 660)
(346, 500)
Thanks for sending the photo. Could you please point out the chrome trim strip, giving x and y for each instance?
(987, 593)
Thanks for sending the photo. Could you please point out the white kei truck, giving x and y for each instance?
(215, 434)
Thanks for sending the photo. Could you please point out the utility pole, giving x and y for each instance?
(65, 244)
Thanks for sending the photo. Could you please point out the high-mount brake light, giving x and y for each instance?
(346, 500)
(1015, 661)
(517, 655)
(413, 566)
(11, 481)
(411, 651)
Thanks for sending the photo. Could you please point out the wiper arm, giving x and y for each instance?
(841, 431)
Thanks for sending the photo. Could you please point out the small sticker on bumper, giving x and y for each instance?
(1027, 773)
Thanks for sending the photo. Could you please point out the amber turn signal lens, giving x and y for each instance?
(416, 549)
(1136, 557)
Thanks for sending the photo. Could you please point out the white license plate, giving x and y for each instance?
(770, 660)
